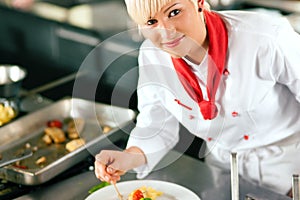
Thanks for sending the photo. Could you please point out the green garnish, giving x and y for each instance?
(99, 186)
(145, 199)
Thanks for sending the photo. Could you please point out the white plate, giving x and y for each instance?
(171, 191)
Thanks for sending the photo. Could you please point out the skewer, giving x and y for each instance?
(118, 192)
(234, 177)
(296, 195)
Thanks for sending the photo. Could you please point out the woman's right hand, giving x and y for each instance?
(110, 164)
(106, 173)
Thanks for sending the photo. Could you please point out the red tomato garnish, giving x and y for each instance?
(54, 123)
(137, 195)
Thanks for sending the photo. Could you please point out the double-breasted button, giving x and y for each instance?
(234, 114)
(226, 72)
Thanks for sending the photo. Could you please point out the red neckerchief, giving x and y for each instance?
(217, 50)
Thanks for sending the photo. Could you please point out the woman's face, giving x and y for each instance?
(178, 28)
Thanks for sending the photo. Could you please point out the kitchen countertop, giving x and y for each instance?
(209, 182)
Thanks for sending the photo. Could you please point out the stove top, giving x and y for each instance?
(10, 190)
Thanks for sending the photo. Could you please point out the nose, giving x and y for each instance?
(167, 30)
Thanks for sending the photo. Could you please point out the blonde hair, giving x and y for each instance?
(142, 10)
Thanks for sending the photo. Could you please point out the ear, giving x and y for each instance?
(200, 5)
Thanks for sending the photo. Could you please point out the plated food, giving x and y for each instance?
(144, 193)
(156, 189)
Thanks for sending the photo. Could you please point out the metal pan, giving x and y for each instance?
(27, 132)
(11, 78)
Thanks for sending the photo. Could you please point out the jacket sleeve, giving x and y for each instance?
(157, 130)
(287, 59)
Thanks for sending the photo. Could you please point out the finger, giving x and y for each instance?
(96, 171)
(110, 170)
(101, 173)
(120, 173)
(115, 179)
(114, 172)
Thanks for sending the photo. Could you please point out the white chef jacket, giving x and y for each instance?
(258, 102)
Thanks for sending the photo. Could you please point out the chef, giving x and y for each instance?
(231, 78)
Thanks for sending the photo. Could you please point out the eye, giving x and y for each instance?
(174, 13)
(151, 22)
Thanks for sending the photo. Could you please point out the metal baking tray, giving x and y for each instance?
(27, 132)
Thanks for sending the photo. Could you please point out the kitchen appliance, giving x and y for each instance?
(11, 77)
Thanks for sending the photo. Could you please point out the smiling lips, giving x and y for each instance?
(173, 43)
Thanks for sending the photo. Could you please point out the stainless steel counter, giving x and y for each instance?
(209, 182)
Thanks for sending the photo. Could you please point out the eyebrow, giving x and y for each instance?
(170, 7)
